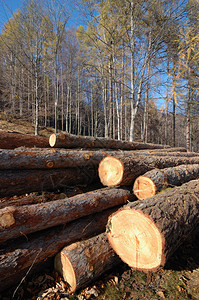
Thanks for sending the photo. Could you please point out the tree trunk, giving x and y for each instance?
(18, 182)
(82, 262)
(22, 220)
(38, 158)
(114, 171)
(146, 233)
(23, 253)
(35, 158)
(11, 140)
(30, 199)
(132, 71)
(64, 140)
(154, 181)
(164, 150)
(141, 153)
(146, 104)
(174, 103)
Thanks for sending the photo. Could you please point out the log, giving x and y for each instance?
(21, 254)
(66, 140)
(49, 158)
(154, 181)
(18, 182)
(22, 220)
(11, 140)
(146, 233)
(120, 170)
(38, 158)
(140, 154)
(29, 199)
(165, 150)
(82, 262)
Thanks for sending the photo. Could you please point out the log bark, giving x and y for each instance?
(22, 220)
(49, 158)
(37, 158)
(11, 140)
(140, 154)
(175, 149)
(22, 254)
(65, 140)
(82, 262)
(154, 181)
(18, 182)
(146, 233)
(114, 171)
(29, 199)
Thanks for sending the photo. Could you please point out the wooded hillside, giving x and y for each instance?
(130, 72)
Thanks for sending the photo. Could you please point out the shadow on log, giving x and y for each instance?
(11, 140)
(18, 182)
(19, 255)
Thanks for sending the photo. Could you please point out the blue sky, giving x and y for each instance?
(7, 8)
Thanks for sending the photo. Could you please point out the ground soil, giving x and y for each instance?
(179, 279)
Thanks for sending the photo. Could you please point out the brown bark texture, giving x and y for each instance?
(114, 171)
(21, 254)
(146, 233)
(65, 140)
(165, 150)
(22, 220)
(53, 158)
(36, 158)
(82, 262)
(154, 181)
(18, 182)
(11, 140)
(164, 154)
(32, 198)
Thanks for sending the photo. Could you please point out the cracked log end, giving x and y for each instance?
(52, 140)
(144, 188)
(136, 239)
(64, 267)
(111, 171)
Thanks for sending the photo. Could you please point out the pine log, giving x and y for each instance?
(18, 182)
(38, 158)
(11, 140)
(174, 149)
(32, 198)
(22, 220)
(154, 181)
(49, 158)
(140, 154)
(146, 233)
(82, 262)
(22, 254)
(65, 140)
(120, 170)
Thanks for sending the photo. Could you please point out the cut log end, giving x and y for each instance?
(64, 267)
(136, 239)
(7, 220)
(144, 188)
(52, 140)
(111, 171)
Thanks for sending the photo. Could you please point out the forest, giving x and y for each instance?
(128, 71)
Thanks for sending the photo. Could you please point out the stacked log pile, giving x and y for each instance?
(139, 232)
